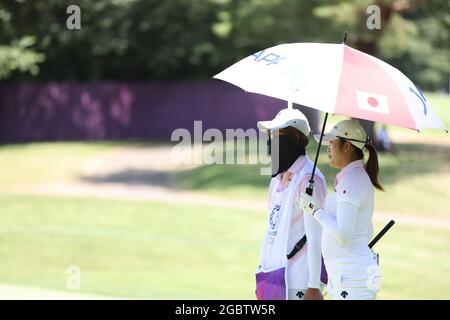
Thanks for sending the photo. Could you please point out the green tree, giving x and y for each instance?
(16, 53)
(179, 39)
(120, 39)
(413, 36)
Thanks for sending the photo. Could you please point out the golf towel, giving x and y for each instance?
(271, 276)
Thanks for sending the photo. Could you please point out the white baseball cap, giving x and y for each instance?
(288, 117)
(350, 130)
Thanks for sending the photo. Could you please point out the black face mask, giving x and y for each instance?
(289, 151)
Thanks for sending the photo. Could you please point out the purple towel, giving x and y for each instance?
(271, 285)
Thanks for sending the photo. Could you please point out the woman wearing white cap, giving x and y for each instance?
(346, 218)
(285, 272)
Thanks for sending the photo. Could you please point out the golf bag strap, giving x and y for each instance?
(298, 246)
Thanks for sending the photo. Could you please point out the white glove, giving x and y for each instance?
(308, 204)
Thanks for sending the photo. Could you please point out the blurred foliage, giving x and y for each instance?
(17, 56)
(414, 35)
(179, 39)
(16, 53)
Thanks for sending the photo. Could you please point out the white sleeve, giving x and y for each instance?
(349, 191)
(313, 232)
(342, 228)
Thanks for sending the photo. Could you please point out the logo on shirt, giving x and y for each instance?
(274, 216)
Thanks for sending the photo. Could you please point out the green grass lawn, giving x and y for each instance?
(27, 164)
(129, 248)
(138, 249)
(414, 263)
(34, 163)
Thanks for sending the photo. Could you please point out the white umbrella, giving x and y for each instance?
(337, 79)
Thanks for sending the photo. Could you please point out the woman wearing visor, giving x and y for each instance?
(346, 218)
(290, 260)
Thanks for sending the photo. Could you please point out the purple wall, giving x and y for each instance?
(119, 110)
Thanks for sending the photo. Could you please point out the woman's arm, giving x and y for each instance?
(342, 228)
(349, 196)
(313, 232)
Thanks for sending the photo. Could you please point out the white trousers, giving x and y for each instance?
(353, 287)
(354, 278)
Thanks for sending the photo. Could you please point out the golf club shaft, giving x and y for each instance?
(381, 233)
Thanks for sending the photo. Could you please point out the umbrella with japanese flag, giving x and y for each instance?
(337, 79)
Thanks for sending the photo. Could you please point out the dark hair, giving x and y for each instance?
(302, 139)
(371, 165)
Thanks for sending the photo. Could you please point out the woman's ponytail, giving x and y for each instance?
(372, 167)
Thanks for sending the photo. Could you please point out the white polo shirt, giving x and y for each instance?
(352, 186)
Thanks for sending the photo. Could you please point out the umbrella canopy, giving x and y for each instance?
(337, 79)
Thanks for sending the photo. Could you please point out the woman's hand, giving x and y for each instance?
(307, 204)
(313, 294)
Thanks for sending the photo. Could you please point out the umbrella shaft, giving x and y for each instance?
(309, 190)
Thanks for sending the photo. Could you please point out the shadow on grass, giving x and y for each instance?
(222, 177)
(411, 160)
(134, 177)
